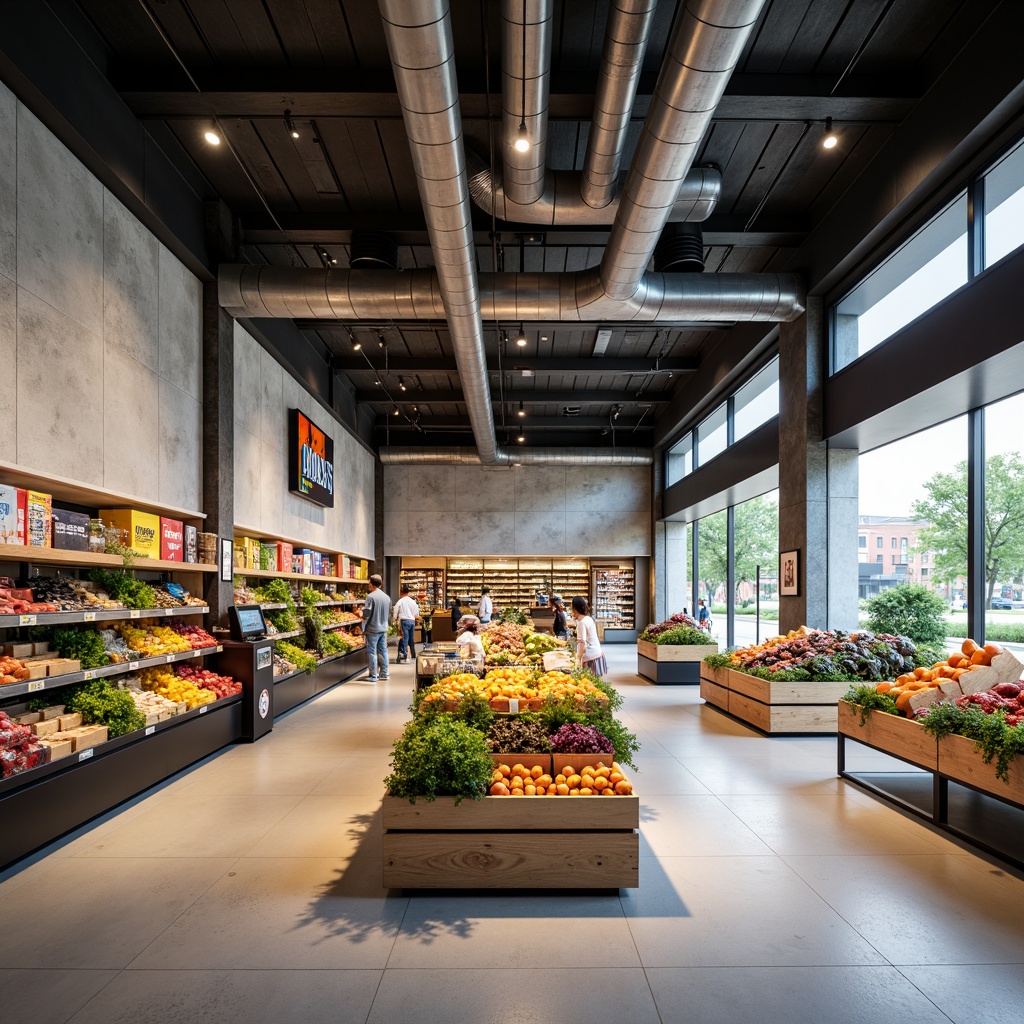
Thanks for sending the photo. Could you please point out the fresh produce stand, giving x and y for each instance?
(672, 651)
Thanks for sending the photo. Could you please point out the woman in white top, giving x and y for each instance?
(588, 650)
(468, 643)
(486, 607)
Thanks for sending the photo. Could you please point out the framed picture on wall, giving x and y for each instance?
(227, 560)
(789, 573)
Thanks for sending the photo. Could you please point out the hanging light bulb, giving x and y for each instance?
(522, 411)
(356, 343)
(401, 384)
(831, 139)
(521, 337)
(290, 125)
(395, 413)
(522, 143)
(521, 438)
(211, 137)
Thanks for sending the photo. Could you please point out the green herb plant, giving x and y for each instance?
(440, 756)
(101, 703)
(84, 645)
(866, 699)
(297, 656)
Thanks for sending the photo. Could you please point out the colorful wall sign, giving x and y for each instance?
(311, 460)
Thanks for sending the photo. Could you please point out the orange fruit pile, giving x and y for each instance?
(591, 780)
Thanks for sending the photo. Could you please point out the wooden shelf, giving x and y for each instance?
(76, 493)
(267, 574)
(59, 556)
(251, 531)
(101, 615)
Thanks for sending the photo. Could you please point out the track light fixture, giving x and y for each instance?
(212, 137)
(522, 143)
(290, 125)
(380, 340)
(355, 342)
(395, 413)
(521, 337)
(522, 411)
(831, 139)
(401, 384)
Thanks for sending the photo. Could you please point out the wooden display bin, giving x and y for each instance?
(892, 734)
(959, 760)
(671, 663)
(773, 707)
(500, 842)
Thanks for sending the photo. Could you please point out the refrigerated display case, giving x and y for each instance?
(614, 589)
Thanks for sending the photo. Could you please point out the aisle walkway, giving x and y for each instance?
(248, 890)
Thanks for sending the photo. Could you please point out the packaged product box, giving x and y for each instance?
(68, 722)
(143, 528)
(58, 748)
(52, 712)
(252, 552)
(172, 540)
(364, 569)
(284, 557)
(191, 544)
(240, 553)
(39, 519)
(29, 718)
(13, 501)
(87, 736)
(268, 554)
(61, 666)
(18, 650)
(305, 559)
(47, 728)
(318, 563)
(70, 530)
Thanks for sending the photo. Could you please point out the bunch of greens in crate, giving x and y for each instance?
(121, 585)
(868, 699)
(514, 615)
(440, 756)
(590, 711)
(100, 703)
(83, 645)
(685, 636)
(297, 656)
(335, 642)
(522, 734)
(573, 738)
(284, 621)
(993, 736)
(275, 592)
(655, 630)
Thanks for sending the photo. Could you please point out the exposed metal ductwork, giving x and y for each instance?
(561, 201)
(520, 456)
(625, 42)
(526, 66)
(705, 46)
(313, 293)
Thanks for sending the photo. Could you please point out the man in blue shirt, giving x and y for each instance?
(376, 618)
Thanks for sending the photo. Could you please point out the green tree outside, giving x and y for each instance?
(945, 509)
(755, 542)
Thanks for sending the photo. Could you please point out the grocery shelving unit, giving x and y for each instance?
(426, 585)
(614, 590)
(515, 582)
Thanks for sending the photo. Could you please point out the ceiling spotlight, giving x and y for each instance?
(401, 384)
(543, 337)
(377, 383)
(395, 413)
(831, 139)
(522, 143)
(522, 411)
(521, 438)
(380, 340)
(356, 343)
(211, 137)
(290, 125)
(521, 337)
(616, 409)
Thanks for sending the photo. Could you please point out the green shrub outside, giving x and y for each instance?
(909, 610)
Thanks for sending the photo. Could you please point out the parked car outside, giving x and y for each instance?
(1005, 604)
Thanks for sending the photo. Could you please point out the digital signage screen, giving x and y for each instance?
(311, 460)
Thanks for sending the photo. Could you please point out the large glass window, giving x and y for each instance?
(712, 559)
(917, 487)
(756, 553)
(1004, 206)
(679, 460)
(1004, 520)
(757, 401)
(712, 436)
(922, 272)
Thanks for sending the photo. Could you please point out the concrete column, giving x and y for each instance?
(218, 413)
(677, 575)
(817, 487)
(659, 571)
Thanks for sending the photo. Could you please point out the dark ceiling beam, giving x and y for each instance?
(335, 229)
(527, 423)
(421, 396)
(749, 98)
(542, 364)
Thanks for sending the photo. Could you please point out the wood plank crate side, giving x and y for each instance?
(769, 692)
(719, 676)
(891, 734)
(714, 694)
(480, 860)
(786, 718)
(675, 652)
(747, 710)
(960, 761)
(493, 813)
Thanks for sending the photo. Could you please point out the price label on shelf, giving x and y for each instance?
(168, 611)
(150, 729)
(88, 616)
(89, 674)
(134, 613)
(169, 658)
(84, 755)
(202, 710)
(36, 684)
(133, 666)
(27, 620)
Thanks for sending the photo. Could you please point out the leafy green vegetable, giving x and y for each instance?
(995, 739)
(516, 615)
(517, 736)
(868, 700)
(440, 756)
(84, 645)
(104, 704)
(122, 586)
(297, 656)
(334, 642)
(472, 708)
(275, 592)
(720, 660)
(683, 635)
(284, 621)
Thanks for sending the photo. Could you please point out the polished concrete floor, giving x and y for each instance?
(248, 889)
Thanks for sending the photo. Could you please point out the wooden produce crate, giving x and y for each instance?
(502, 842)
(774, 707)
(672, 663)
(892, 734)
(960, 761)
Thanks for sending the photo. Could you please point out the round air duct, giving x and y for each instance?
(680, 250)
(373, 250)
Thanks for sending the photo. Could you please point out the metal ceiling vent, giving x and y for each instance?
(680, 250)
(373, 250)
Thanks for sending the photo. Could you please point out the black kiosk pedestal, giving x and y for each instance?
(249, 657)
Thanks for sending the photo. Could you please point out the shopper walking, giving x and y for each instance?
(456, 615)
(407, 611)
(376, 618)
(469, 644)
(588, 650)
(560, 626)
(427, 629)
(486, 606)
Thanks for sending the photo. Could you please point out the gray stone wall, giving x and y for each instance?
(264, 392)
(595, 511)
(99, 330)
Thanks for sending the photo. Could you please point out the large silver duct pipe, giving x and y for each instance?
(314, 293)
(526, 66)
(419, 37)
(625, 41)
(520, 456)
(561, 201)
(707, 42)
